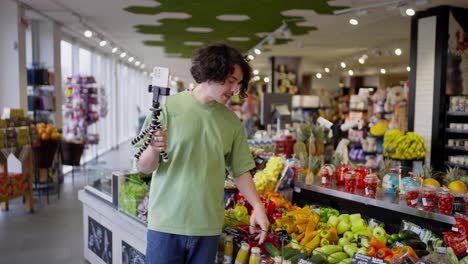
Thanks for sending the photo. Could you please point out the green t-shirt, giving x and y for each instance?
(186, 195)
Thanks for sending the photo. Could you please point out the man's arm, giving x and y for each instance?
(246, 186)
(149, 159)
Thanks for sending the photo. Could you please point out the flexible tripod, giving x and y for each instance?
(154, 126)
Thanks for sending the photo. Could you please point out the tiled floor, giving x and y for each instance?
(53, 233)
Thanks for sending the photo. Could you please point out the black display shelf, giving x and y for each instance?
(465, 114)
(456, 131)
(459, 149)
(451, 164)
(390, 209)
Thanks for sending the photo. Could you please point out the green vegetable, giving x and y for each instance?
(298, 257)
(131, 194)
(346, 261)
(407, 234)
(451, 255)
(272, 250)
(394, 237)
(328, 249)
(318, 259)
(332, 212)
(323, 214)
(290, 252)
(421, 252)
(337, 257)
(350, 250)
(416, 244)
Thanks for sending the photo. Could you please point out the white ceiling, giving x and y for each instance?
(378, 34)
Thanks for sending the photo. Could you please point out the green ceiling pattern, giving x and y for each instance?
(265, 16)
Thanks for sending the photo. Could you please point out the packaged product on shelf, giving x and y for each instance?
(2, 138)
(371, 181)
(340, 172)
(228, 249)
(243, 254)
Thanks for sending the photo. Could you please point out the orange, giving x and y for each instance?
(49, 130)
(55, 136)
(457, 186)
(45, 136)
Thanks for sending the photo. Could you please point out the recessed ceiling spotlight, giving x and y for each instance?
(361, 60)
(137, 63)
(408, 68)
(257, 51)
(131, 59)
(256, 72)
(353, 21)
(398, 52)
(318, 75)
(88, 33)
(266, 79)
(114, 50)
(102, 43)
(350, 73)
(410, 11)
(250, 57)
(123, 54)
(343, 65)
(383, 71)
(326, 69)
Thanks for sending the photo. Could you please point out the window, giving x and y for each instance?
(85, 62)
(66, 59)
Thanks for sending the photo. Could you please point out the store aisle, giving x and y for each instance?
(54, 233)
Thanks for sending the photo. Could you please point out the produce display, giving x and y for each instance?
(266, 179)
(409, 146)
(323, 235)
(131, 193)
(47, 132)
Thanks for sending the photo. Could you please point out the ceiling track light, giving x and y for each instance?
(256, 72)
(354, 21)
(398, 52)
(88, 33)
(257, 51)
(343, 65)
(318, 75)
(131, 59)
(326, 69)
(123, 54)
(102, 43)
(115, 49)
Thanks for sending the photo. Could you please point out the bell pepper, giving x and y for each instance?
(331, 212)
(309, 236)
(388, 258)
(372, 251)
(290, 227)
(301, 228)
(374, 242)
(324, 242)
(383, 252)
(333, 235)
(409, 250)
(396, 250)
(313, 221)
(300, 236)
(240, 199)
(323, 214)
(270, 207)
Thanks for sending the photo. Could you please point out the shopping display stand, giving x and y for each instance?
(45, 159)
(16, 185)
(71, 155)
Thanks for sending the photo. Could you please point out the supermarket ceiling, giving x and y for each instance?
(165, 32)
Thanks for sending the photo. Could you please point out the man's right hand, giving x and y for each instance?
(159, 140)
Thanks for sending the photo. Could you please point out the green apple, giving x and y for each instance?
(344, 217)
(349, 235)
(343, 242)
(363, 251)
(342, 227)
(333, 220)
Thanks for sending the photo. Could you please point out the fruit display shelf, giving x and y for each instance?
(465, 114)
(390, 209)
(461, 166)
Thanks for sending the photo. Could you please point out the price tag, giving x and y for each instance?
(454, 229)
(375, 223)
(360, 241)
(361, 259)
(297, 189)
(441, 250)
(424, 201)
(367, 190)
(399, 244)
(283, 236)
(418, 231)
(414, 202)
(303, 261)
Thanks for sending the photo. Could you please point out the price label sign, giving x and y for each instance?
(233, 232)
(375, 223)
(283, 236)
(361, 259)
(362, 241)
(303, 261)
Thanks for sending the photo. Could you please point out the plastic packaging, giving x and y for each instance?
(325, 177)
(254, 256)
(412, 196)
(371, 181)
(243, 254)
(350, 181)
(428, 198)
(445, 201)
(228, 249)
(340, 174)
(360, 175)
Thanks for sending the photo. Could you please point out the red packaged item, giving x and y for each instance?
(445, 198)
(371, 181)
(340, 174)
(412, 196)
(429, 198)
(325, 177)
(350, 181)
(360, 175)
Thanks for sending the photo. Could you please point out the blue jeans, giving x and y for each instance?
(164, 248)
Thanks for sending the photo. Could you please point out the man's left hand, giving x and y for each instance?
(259, 222)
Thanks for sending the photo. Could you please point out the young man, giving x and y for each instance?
(202, 137)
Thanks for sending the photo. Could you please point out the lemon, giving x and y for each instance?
(432, 182)
(457, 186)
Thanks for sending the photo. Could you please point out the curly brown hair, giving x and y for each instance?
(215, 62)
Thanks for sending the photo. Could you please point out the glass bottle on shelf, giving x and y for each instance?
(243, 254)
(228, 249)
(254, 256)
